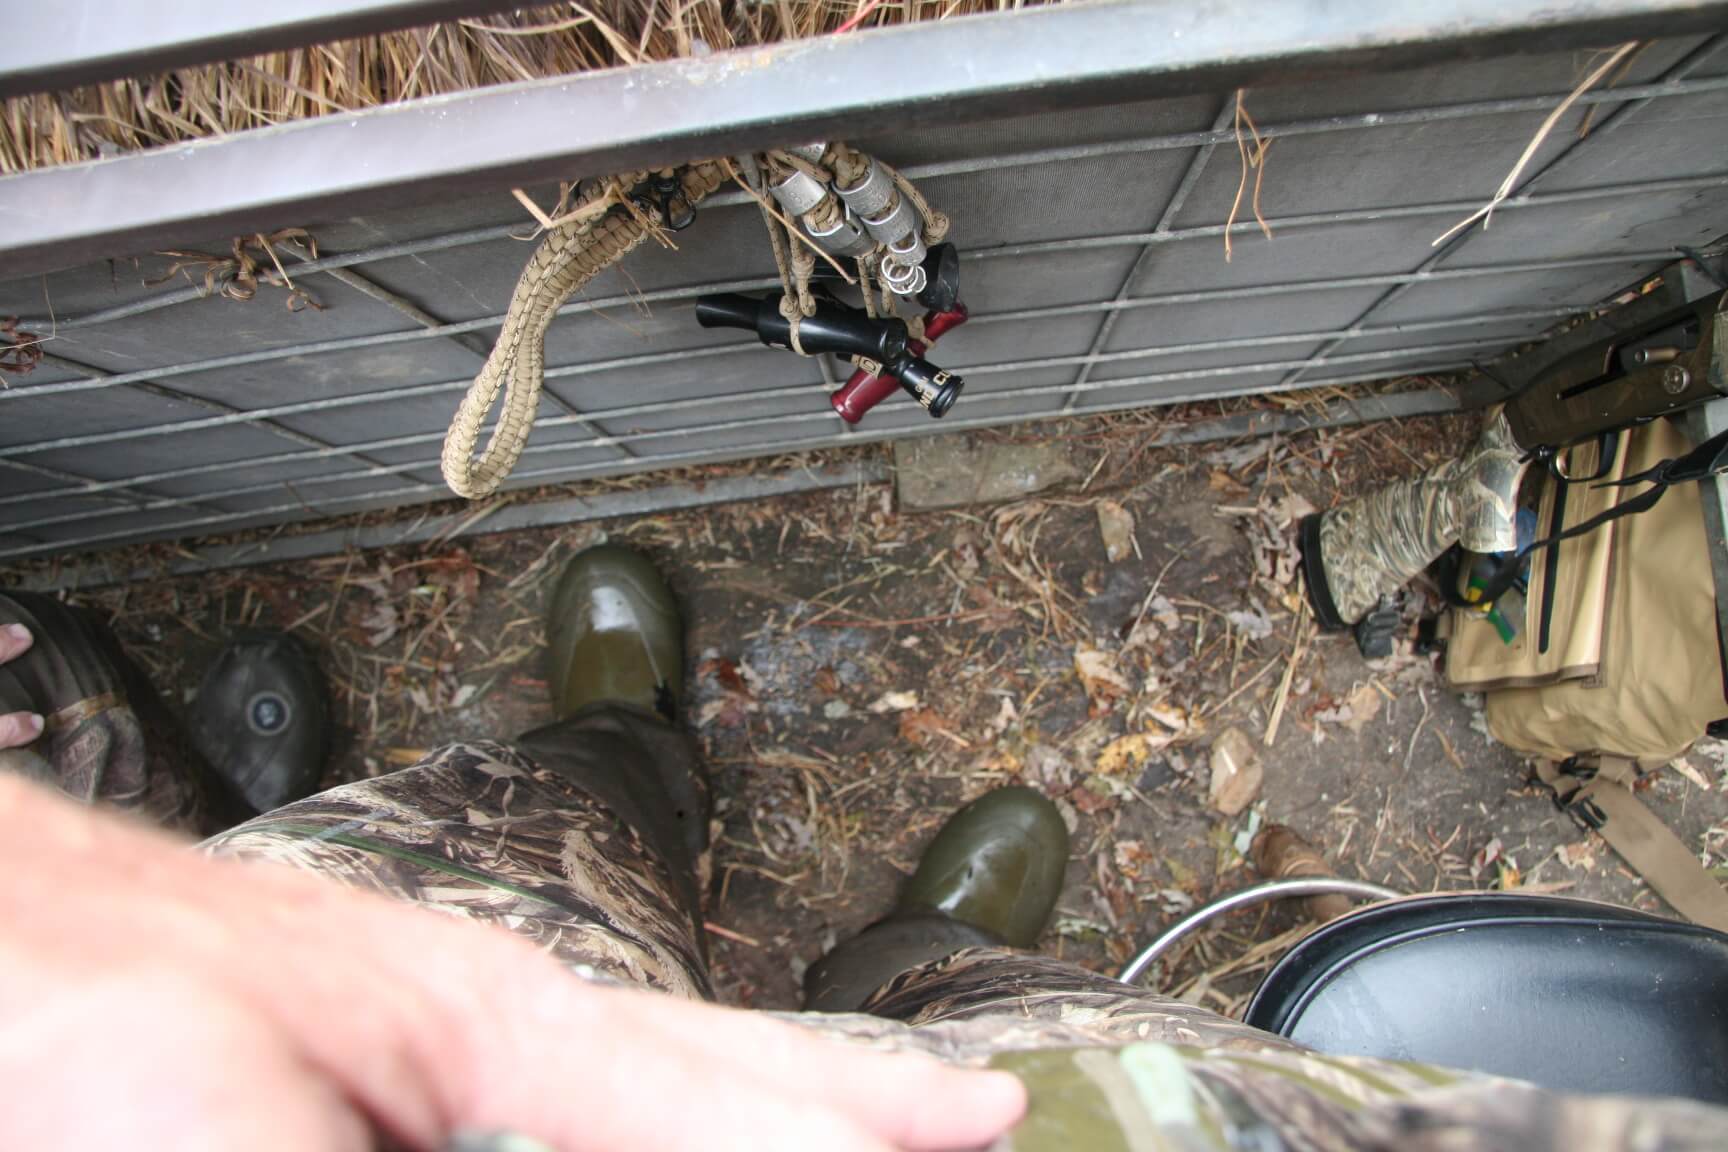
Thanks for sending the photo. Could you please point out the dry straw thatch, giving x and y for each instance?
(47, 129)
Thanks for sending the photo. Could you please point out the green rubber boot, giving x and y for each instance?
(990, 878)
(997, 865)
(616, 634)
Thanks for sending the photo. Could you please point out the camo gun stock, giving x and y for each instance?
(1650, 359)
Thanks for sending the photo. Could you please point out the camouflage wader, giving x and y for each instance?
(520, 838)
(108, 738)
(1374, 545)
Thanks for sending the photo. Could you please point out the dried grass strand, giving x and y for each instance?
(1486, 212)
(1252, 158)
(52, 128)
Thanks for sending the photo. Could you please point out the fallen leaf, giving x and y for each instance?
(1356, 712)
(1100, 676)
(1126, 755)
(463, 694)
(965, 551)
(1581, 855)
(1237, 458)
(726, 674)
(826, 682)
(1225, 484)
(381, 623)
(1236, 772)
(731, 704)
(1685, 768)
(1165, 613)
(727, 711)
(1490, 854)
(1290, 509)
(1364, 706)
(1134, 861)
(1116, 525)
(918, 725)
(895, 702)
(1006, 716)
(1170, 716)
(1049, 768)
(1253, 622)
(1093, 796)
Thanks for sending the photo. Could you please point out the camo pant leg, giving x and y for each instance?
(484, 832)
(1112, 1067)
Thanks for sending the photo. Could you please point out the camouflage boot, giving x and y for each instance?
(262, 718)
(1369, 548)
(990, 878)
(109, 739)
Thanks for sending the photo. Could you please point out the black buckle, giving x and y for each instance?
(665, 195)
(1586, 813)
(1376, 631)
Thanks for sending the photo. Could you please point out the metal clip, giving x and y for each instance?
(665, 195)
(903, 267)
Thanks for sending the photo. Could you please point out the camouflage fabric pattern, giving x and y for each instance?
(1053, 1000)
(479, 831)
(1158, 1096)
(108, 740)
(1371, 546)
(483, 832)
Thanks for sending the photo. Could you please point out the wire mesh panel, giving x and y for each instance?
(1094, 265)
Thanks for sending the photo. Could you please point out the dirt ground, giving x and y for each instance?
(856, 671)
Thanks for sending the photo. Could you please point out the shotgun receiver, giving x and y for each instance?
(1649, 359)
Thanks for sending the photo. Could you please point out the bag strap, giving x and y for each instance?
(1708, 459)
(1597, 793)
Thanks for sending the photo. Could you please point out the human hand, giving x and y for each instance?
(17, 728)
(213, 1004)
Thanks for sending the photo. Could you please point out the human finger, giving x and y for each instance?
(666, 1074)
(910, 1098)
(15, 640)
(19, 728)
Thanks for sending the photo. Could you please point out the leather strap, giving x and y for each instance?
(1597, 792)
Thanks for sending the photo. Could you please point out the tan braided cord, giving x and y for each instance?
(569, 256)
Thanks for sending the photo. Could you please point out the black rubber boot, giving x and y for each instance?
(262, 718)
(990, 878)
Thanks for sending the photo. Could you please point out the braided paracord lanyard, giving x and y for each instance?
(606, 224)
